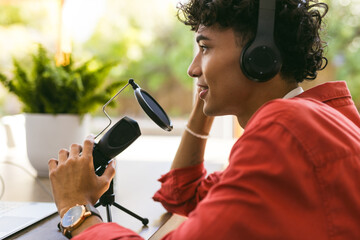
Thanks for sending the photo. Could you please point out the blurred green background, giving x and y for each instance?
(149, 44)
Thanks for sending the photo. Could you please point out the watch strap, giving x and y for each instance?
(93, 210)
(67, 233)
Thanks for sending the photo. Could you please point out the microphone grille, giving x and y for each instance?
(123, 134)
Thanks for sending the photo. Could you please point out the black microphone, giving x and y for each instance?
(116, 140)
(127, 130)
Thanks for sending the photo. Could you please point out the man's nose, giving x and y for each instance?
(194, 69)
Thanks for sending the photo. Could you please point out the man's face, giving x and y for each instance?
(221, 83)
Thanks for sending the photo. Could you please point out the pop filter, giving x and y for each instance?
(151, 107)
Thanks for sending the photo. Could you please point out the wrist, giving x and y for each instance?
(90, 221)
(200, 126)
(197, 135)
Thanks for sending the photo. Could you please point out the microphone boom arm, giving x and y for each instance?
(107, 103)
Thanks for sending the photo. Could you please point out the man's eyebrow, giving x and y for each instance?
(201, 37)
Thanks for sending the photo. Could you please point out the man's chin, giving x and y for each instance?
(208, 111)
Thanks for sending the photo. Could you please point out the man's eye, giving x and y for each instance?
(203, 48)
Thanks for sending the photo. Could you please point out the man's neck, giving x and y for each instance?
(265, 92)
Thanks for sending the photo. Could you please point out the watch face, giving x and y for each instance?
(72, 216)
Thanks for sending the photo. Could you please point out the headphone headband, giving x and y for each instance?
(266, 18)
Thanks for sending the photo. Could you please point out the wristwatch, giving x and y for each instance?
(75, 216)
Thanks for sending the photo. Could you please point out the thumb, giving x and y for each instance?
(109, 172)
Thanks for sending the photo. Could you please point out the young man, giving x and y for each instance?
(293, 174)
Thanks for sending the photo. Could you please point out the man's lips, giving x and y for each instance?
(203, 90)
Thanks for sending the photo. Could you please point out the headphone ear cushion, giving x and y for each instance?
(260, 61)
(242, 61)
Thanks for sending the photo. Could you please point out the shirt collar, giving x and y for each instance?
(294, 93)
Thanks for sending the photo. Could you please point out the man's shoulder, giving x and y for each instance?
(287, 110)
(303, 117)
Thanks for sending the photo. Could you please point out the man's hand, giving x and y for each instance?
(192, 149)
(73, 177)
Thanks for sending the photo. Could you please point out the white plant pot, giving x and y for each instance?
(46, 134)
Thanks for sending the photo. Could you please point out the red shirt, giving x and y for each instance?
(293, 174)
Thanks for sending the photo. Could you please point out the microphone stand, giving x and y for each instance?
(108, 199)
(118, 138)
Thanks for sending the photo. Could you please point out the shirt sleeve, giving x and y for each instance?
(182, 189)
(107, 231)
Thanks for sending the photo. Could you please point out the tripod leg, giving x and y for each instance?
(108, 213)
(108, 199)
(144, 221)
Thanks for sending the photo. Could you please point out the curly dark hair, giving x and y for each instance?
(298, 24)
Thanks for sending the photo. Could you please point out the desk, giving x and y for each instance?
(134, 185)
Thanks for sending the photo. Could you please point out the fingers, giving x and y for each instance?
(109, 172)
(52, 164)
(75, 150)
(63, 155)
(88, 146)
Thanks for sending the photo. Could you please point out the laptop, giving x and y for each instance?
(15, 216)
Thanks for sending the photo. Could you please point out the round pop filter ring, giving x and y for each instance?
(153, 109)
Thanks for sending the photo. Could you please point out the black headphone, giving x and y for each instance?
(260, 59)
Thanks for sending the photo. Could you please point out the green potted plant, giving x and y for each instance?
(57, 101)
